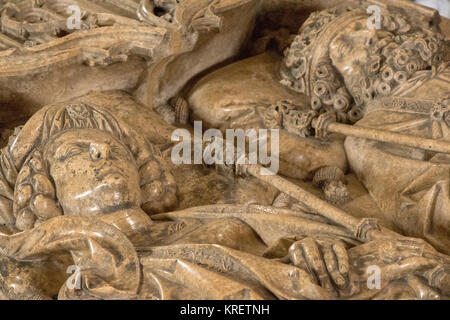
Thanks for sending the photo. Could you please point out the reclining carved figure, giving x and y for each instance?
(81, 186)
(81, 183)
(393, 78)
(396, 78)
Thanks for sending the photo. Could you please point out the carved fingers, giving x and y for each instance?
(422, 290)
(418, 273)
(325, 259)
(409, 266)
(340, 251)
(413, 260)
(401, 249)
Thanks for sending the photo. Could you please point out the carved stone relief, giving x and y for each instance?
(88, 182)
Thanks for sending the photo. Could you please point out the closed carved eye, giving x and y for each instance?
(73, 151)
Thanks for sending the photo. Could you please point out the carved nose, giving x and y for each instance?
(99, 151)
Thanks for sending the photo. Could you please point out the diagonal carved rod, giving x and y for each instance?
(389, 136)
(364, 229)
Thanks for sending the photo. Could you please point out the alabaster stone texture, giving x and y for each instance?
(92, 205)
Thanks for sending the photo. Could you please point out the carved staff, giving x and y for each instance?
(385, 136)
(300, 123)
(364, 229)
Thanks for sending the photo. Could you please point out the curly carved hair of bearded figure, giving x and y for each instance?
(392, 55)
(388, 79)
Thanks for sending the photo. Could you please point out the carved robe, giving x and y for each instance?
(410, 186)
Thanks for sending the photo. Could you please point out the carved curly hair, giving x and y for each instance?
(27, 192)
(394, 59)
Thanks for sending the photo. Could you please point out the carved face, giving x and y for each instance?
(94, 173)
(349, 50)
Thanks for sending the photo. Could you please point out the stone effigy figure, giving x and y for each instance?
(242, 94)
(395, 78)
(86, 185)
(82, 185)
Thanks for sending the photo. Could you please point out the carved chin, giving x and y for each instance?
(104, 200)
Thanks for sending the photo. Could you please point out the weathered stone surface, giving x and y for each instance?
(88, 184)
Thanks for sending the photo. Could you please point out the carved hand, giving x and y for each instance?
(425, 270)
(324, 258)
